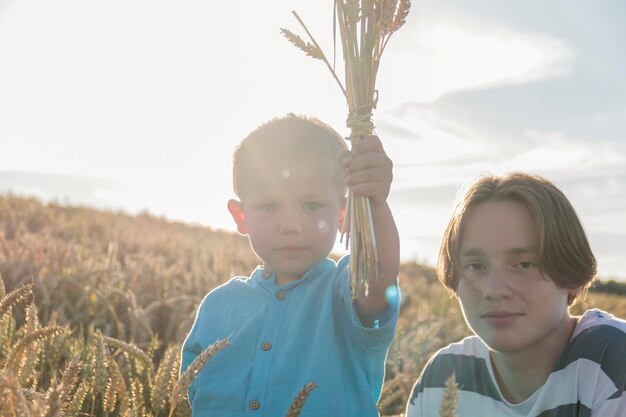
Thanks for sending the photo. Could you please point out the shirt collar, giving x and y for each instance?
(267, 279)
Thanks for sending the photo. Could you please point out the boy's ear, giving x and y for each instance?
(341, 217)
(236, 210)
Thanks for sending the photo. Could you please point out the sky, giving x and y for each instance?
(138, 105)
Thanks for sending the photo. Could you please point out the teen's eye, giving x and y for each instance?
(474, 266)
(312, 205)
(525, 264)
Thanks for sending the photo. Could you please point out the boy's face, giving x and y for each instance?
(290, 211)
(505, 298)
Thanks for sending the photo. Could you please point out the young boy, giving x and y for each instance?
(293, 320)
(516, 256)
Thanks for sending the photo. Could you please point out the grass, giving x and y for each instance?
(94, 306)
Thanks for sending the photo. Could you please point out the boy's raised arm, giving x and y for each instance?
(368, 172)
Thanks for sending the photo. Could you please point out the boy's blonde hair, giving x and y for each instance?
(290, 137)
(564, 252)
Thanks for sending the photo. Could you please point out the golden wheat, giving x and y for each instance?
(116, 387)
(35, 336)
(395, 391)
(185, 380)
(300, 400)
(78, 399)
(136, 396)
(165, 377)
(70, 378)
(100, 374)
(29, 357)
(448, 405)
(129, 348)
(16, 296)
(54, 403)
(140, 278)
(12, 401)
(308, 48)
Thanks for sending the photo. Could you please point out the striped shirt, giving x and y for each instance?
(587, 380)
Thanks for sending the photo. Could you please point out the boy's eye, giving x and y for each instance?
(526, 264)
(268, 207)
(312, 206)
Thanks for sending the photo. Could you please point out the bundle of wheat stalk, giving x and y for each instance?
(365, 27)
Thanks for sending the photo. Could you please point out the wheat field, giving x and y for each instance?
(94, 306)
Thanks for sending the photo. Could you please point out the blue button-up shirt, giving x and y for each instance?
(282, 338)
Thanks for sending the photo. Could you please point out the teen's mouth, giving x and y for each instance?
(500, 318)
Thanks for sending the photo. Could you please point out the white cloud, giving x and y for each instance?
(444, 56)
(555, 150)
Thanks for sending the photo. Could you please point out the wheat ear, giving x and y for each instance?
(12, 400)
(165, 377)
(29, 357)
(298, 402)
(447, 408)
(180, 389)
(400, 17)
(306, 47)
(16, 296)
(38, 335)
(55, 402)
(129, 348)
(76, 403)
(136, 396)
(59, 398)
(388, 11)
(116, 387)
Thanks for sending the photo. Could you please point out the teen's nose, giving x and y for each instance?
(496, 285)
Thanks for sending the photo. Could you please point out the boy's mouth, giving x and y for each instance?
(291, 248)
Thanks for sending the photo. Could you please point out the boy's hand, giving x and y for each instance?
(368, 169)
(368, 173)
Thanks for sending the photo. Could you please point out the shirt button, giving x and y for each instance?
(267, 274)
(254, 405)
(266, 346)
(280, 295)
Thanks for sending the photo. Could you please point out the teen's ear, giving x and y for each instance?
(236, 210)
(572, 294)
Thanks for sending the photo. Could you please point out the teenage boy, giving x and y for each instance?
(516, 256)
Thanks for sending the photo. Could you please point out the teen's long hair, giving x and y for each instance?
(564, 252)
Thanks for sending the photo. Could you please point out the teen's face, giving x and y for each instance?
(505, 299)
(291, 214)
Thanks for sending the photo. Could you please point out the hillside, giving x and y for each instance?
(102, 276)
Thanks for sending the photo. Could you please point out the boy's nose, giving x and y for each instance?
(290, 223)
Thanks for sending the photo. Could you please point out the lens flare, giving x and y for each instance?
(393, 295)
